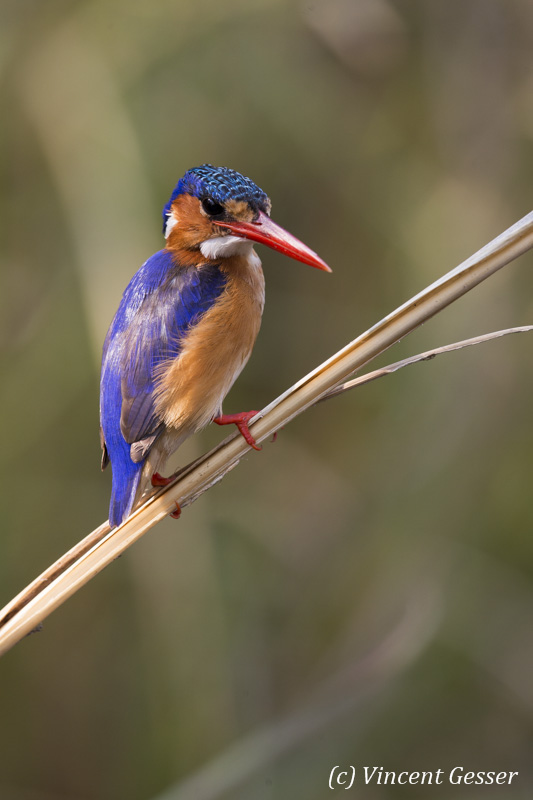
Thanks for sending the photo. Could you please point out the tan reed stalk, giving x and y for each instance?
(26, 611)
(428, 355)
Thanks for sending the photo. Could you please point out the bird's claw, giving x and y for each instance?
(275, 436)
(177, 513)
(159, 480)
(241, 421)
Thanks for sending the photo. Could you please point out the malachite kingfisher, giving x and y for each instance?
(185, 328)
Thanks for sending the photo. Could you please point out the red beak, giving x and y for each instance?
(265, 231)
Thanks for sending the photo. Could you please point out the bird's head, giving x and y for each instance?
(218, 212)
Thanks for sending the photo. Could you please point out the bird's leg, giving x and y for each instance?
(241, 421)
(159, 480)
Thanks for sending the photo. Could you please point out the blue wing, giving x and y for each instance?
(161, 303)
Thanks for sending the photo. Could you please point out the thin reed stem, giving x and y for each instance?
(26, 611)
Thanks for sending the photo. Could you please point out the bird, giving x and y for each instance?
(185, 328)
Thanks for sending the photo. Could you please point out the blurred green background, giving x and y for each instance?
(361, 592)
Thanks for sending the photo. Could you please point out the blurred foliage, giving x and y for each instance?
(362, 591)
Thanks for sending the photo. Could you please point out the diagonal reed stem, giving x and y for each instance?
(27, 610)
(428, 355)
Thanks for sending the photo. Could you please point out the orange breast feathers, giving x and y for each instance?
(191, 388)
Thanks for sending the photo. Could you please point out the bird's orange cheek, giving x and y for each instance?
(192, 226)
(192, 237)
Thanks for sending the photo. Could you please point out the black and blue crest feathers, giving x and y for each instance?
(220, 184)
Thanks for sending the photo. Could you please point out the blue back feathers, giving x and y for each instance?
(219, 184)
(161, 303)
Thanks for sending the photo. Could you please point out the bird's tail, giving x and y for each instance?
(126, 479)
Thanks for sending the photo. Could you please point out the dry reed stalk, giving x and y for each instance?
(27, 610)
(428, 355)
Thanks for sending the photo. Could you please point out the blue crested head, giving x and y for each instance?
(219, 184)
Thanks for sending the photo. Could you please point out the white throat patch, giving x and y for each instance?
(225, 246)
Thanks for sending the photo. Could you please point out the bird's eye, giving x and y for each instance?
(212, 208)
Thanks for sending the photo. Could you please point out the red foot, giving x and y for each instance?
(241, 421)
(159, 480)
(177, 513)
